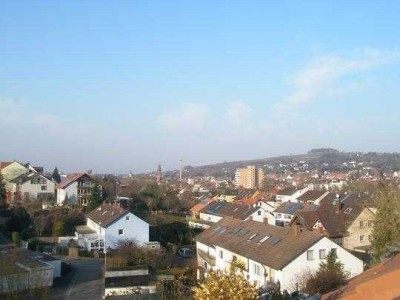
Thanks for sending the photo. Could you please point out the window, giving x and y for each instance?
(221, 254)
(322, 254)
(259, 212)
(370, 223)
(120, 231)
(310, 255)
(334, 251)
(361, 224)
(362, 238)
(279, 216)
(256, 269)
(127, 218)
(44, 187)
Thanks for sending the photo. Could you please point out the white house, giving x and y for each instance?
(109, 224)
(285, 212)
(290, 194)
(74, 189)
(271, 255)
(215, 211)
(33, 185)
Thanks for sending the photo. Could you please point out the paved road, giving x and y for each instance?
(85, 281)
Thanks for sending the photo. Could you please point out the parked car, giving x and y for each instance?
(185, 252)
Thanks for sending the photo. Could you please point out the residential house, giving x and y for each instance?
(290, 194)
(216, 211)
(109, 224)
(75, 189)
(272, 256)
(380, 282)
(312, 197)
(32, 185)
(343, 218)
(10, 171)
(285, 212)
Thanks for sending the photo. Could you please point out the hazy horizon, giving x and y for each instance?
(122, 86)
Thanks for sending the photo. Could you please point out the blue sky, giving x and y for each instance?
(116, 86)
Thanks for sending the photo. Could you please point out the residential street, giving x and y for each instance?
(85, 281)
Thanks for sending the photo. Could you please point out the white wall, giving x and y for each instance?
(291, 272)
(209, 217)
(35, 189)
(135, 229)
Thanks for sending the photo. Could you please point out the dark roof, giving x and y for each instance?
(71, 178)
(244, 238)
(227, 209)
(288, 208)
(311, 196)
(287, 191)
(27, 177)
(128, 281)
(334, 216)
(106, 214)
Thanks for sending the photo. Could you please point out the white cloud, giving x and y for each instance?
(324, 71)
(238, 113)
(190, 116)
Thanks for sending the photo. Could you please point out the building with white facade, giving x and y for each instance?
(109, 224)
(32, 185)
(271, 255)
(75, 189)
(290, 194)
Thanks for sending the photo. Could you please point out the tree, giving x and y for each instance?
(226, 286)
(386, 230)
(58, 228)
(330, 276)
(95, 198)
(3, 203)
(56, 176)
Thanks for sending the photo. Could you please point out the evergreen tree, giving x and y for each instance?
(330, 276)
(56, 176)
(96, 197)
(386, 230)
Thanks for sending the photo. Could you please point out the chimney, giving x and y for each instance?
(338, 207)
(297, 229)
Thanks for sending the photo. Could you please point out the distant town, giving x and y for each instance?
(322, 225)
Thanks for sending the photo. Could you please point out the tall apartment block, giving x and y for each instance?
(249, 177)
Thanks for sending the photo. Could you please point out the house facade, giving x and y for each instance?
(109, 224)
(75, 189)
(272, 256)
(32, 185)
(359, 231)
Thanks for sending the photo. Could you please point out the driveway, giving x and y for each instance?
(84, 281)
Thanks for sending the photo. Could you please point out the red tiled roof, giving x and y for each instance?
(199, 206)
(69, 179)
(4, 164)
(379, 282)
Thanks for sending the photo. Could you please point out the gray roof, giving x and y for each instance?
(273, 246)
